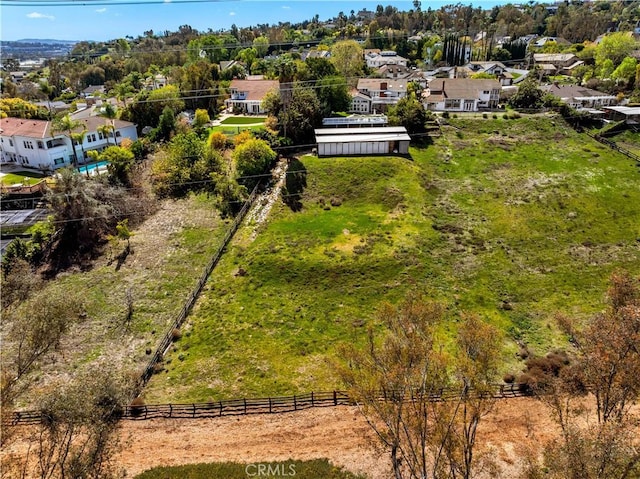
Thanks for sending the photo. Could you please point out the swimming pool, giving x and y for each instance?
(101, 165)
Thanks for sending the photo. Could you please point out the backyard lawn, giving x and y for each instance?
(513, 220)
(20, 177)
(243, 120)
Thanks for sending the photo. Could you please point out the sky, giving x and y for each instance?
(101, 20)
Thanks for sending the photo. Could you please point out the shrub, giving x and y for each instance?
(509, 378)
(217, 140)
(137, 406)
(494, 116)
(505, 116)
(445, 114)
(176, 334)
(484, 115)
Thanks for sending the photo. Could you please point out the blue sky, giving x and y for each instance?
(104, 20)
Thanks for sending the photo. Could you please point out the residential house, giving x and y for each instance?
(33, 143)
(564, 63)
(247, 95)
(374, 95)
(92, 90)
(376, 60)
(542, 41)
(315, 54)
(461, 94)
(498, 69)
(392, 71)
(580, 97)
(17, 77)
(155, 82)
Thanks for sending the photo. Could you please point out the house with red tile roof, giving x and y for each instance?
(34, 144)
(247, 95)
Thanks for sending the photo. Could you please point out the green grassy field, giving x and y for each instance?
(20, 177)
(515, 220)
(242, 120)
(235, 129)
(314, 469)
(629, 140)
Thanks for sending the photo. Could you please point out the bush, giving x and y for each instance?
(494, 116)
(509, 378)
(445, 114)
(484, 115)
(505, 116)
(137, 406)
(176, 334)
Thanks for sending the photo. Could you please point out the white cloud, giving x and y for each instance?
(101, 10)
(40, 15)
(232, 14)
(286, 7)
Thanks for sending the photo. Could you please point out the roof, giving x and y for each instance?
(376, 130)
(93, 89)
(573, 91)
(93, 122)
(356, 136)
(386, 84)
(22, 127)
(553, 57)
(255, 89)
(625, 110)
(463, 88)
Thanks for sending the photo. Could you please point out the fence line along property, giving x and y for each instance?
(167, 340)
(272, 405)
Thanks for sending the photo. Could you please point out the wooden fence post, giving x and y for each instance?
(270, 405)
(194, 410)
(295, 405)
(312, 403)
(245, 405)
(335, 398)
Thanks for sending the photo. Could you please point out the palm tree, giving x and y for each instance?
(105, 130)
(110, 113)
(78, 138)
(68, 125)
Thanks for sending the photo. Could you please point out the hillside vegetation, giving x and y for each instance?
(516, 220)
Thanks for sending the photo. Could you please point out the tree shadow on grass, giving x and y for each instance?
(295, 183)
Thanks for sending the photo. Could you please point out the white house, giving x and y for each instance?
(580, 97)
(376, 60)
(247, 95)
(374, 95)
(461, 94)
(33, 144)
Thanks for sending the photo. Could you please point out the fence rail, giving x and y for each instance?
(168, 338)
(275, 405)
(614, 146)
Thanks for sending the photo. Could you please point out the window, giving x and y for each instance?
(118, 134)
(10, 142)
(454, 103)
(58, 161)
(28, 144)
(486, 92)
(40, 145)
(93, 137)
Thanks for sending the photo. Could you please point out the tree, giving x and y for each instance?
(410, 113)
(615, 47)
(600, 443)
(201, 118)
(106, 131)
(347, 56)
(253, 157)
(120, 164)
(78, 139)
(528, 94)
(68, 125)
(626, 71)
(261, 44)
(333, 94)
(78, 437)
(19, 108)
(393, 380)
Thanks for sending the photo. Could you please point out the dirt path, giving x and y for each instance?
(340, 434)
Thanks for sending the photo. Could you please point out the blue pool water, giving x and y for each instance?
(93, 166)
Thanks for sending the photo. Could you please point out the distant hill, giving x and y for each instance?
(45, 40)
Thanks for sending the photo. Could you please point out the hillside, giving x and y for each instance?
(515, 220)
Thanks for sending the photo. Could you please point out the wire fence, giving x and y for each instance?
(280, 404)
(169, 337)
